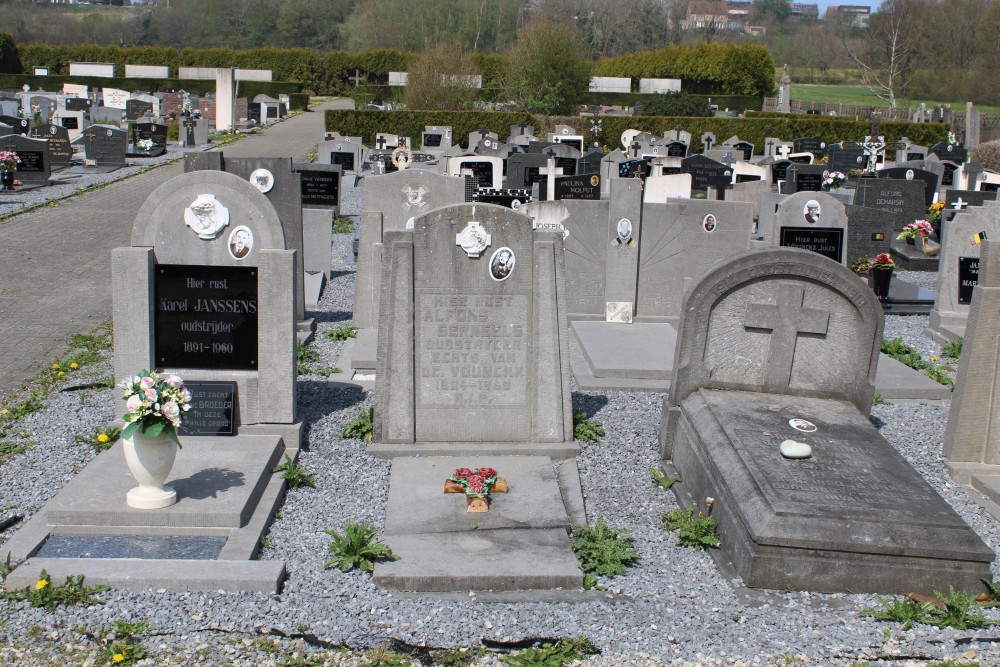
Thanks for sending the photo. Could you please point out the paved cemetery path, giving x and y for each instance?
(55, 262)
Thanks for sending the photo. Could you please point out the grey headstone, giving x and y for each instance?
(813, 220)
(35, 167)
(913, 172)
(893, 195)
(770, 338)
(872, 230)
(473, 349)
(105, 146)
(60, 149)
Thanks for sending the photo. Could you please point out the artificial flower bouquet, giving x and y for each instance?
(154, 404)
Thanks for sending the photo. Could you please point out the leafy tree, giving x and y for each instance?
(436, 79)
(548, 70)
(10, 59)
(770, 11)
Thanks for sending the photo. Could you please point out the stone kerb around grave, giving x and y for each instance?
(815, 332)
(473, 341)
(168, 232)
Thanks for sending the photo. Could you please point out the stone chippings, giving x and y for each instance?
(673, 608)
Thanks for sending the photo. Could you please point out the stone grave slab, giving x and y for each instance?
(520, 544)
(779, 345)
(966, 198)
(105, 147)
(637, 351)
(893, 195)
(805, 177)
(930, 179)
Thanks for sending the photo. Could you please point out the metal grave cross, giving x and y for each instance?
(785, 321)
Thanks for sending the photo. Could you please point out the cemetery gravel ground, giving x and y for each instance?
(674, 607)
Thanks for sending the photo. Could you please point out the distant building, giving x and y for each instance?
(856, 15)
(802, 10)
(721, 15)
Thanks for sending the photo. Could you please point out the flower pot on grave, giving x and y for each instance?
(7, 180)
(910, 240)
(477, 504)
(149, 460)
(879, 279)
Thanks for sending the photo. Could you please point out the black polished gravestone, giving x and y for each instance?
(951, 152)
(136, 109)
(34, 168)
(828, 241)
(968, 278)
(929, 178)
(813, 145)
(845, 158)
(253, 111)
(320, 185)
(205, 317)
(779, 171)
(212, 408)
(19, 125)
(79, 104)
(633, 168)
(105, 147)
(567, 164)
(587, 186)
(894, 195)
(707, 173)
(948, 177)
(523, 169)
(155, 132)
(344, 159)
(589, 163)
(800, 159)
(677, 149)
(60, 148)
(805, 178)
(746, 148)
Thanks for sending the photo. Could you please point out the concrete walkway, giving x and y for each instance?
(55, 262)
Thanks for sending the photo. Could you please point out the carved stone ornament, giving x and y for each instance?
(206, 216)
(402, 157)
(415, 197)
(262, 179)
(474, 239)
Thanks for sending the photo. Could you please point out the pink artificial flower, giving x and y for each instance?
(462, 473)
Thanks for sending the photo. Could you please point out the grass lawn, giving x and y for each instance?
(861, 95)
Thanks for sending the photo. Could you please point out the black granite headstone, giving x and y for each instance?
(60, 149)
(706, 172)
(20, 125)
(587, 186)
(320, 187)
(813, 145)
(968, 278)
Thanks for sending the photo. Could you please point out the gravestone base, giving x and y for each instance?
(981, 477)
(908, 299)
(943, 329)
(225, 489)
(156, 152)
(854, 517)
(911, 258)
(392, 450)
(359, 353)
(603, 356)
(305, 330)
(522, 543)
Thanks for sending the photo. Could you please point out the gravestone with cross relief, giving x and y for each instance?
(768, 415)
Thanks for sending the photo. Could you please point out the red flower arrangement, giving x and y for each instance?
(476, 482)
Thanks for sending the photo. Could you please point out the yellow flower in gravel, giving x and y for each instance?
(102, 438)
(933, 358)
(118, 657)
(4, 411)
(60, 373)
(55, 366)
(74, 365)
(42, 583)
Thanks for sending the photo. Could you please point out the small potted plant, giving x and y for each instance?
(8, 165)
(154, 404)
(833, 180)
(862, 265)
(915, 230)
(880, 274)
(145, 145)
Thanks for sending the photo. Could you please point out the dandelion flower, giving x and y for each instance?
(42, 583)
(4, 411)
(55, 366)
(60, 373)
(118, 657)
(933, 358)
(102, 438)
(74, 365)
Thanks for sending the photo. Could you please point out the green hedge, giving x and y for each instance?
(298, 101)
(735, 69)
(51, 83)
(366, 124)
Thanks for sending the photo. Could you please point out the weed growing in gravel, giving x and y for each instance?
(953, 349)
(878, 400)
(362, 427)
(266, 645)
(602, 550)
(296, 660)
(587, 430)
(661, 480)
(695, 532)
(342, 225)
(381, 656)
(101, 439)
(939, 375)
(305, 357)
(5, 568)
(126, 649)
(341, 333)
(357, 547)
(294, 474)
(458, 656)
(9, 449)
(563, 652)
(906, 611)
(44, 594)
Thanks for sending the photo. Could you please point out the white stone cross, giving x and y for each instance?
(959, 205)
(786, 321)
(550, 172)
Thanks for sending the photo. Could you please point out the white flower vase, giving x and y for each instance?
(149, 460)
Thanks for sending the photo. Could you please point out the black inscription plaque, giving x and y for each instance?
(573, 187)
(211, 410)
(827, 242)
(968, 278)
(746, 148)
(31, 161)
(677, 149)
(70, 123)
(320, 188)
(567, 164)
(706, 173)
(811, 182)
(345, 160)
(481, 171)
(432, 140)
(779, 171)
(206, 317)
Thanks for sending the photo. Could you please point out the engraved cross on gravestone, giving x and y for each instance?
(728, 159)
(551, 171)
(786, 321)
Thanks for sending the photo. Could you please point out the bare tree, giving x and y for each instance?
(884, 54)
